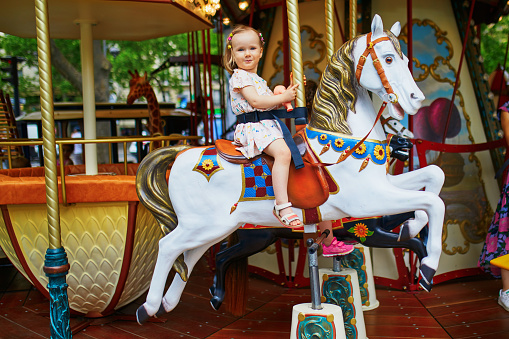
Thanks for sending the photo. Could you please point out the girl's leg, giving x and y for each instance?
(331, 247)
(282, 160)
(326, 225)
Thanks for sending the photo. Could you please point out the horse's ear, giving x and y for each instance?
(145, 75)
(130, 73)
(377, 27)
(396, 29)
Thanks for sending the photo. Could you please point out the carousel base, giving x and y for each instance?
(454, 309)
(326, 323)
(342, 288)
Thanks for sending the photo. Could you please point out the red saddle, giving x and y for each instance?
(308, 187)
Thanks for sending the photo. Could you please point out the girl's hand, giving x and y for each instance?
(291, 92)
(266, 101)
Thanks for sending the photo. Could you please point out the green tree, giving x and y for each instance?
(109, 68)
(494, 39)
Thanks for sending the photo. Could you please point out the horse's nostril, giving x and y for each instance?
(415, 97)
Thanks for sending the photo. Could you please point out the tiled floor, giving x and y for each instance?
(464, 308)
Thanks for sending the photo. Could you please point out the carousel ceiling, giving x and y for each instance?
(113, 19)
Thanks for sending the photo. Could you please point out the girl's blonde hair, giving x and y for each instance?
(228, 62)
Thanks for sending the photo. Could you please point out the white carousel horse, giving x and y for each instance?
(209, 209)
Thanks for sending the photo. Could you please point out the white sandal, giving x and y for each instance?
(286, 219)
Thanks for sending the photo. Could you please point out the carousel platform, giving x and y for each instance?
(463, 308)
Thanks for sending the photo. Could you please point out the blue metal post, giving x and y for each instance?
(56, 267)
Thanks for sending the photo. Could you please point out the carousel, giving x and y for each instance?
(399, 143)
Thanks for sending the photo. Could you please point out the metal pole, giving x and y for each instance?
(296, 50)
(336, 263)
(314, 278)
(353, 18)
(329, 27)
(56, 265)
(410, 55)
(87, 71)
(458, 72)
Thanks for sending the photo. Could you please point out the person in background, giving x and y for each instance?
(67, 150)
(497, 240)
(78, 148)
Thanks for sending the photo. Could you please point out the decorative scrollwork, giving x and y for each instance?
(315, 326)
(454, 249)
(314, 43)
(56, 267)
(337, 290)
(356, 260)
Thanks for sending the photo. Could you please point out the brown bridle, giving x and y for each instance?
(393, 97)
(370, 49)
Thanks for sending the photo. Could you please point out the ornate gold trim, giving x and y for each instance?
(315, 42)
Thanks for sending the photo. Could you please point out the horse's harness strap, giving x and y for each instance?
(300, 115)
(370, 49)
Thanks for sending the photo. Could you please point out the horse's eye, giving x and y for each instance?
(388, 60)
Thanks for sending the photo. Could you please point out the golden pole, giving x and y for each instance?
(56, 265)
(48, 123)
(296, 50)
(329, 27)
(353, 19)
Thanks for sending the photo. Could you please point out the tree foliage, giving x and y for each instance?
(144, 56)
(494, 40)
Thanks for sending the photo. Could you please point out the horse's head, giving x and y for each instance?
(389, 76)
(393, 126)
(400, 147)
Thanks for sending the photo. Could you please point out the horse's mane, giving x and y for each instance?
(336, 93)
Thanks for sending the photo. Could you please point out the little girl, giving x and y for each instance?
(249, 93)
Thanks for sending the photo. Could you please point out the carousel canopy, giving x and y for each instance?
(113, 19)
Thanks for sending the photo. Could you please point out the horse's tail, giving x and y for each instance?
(152, 189)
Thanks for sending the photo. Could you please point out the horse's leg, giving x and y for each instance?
(397, 201)
(383, 239)
(174, 292)
(171, 246)
(250, 242)
(390, 222)
(431, 178)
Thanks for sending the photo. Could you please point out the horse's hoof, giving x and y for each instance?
(425, 286)
(212, 289)
(141, 315)
(404, 233)
(427, 274)
(215, 302)
(161, 311)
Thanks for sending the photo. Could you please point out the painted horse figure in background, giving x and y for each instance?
(200, 212)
